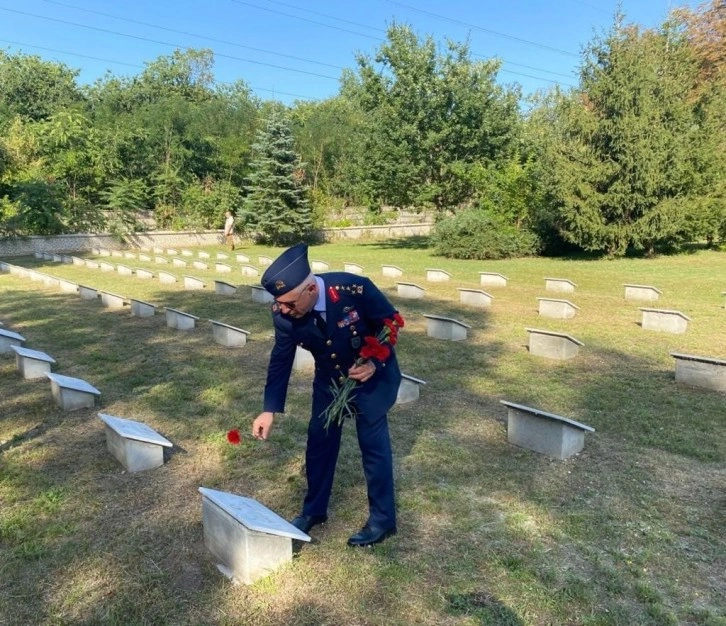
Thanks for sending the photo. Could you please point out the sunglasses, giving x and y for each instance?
(292, 304)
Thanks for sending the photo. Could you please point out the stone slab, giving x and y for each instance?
(221, 256)
(187, 253)
(104, 252)
(92, 264)
(553, 345)
(475, 297)
(144, 274)
(228, 336)
(699, 371)
(303, 361)
(57, 258)
(180, 320)
(129, 255)
(177, 262)
(249, 270)
(563, 285)
(32, 364)
(642, 292)
(264, 261)
(112, 300)
(200, 265)
(319, 266)
(410, 291)
(172, 251)
(161, 260)
(107, 267)
(543, 432)
(353, 268)
(124, 270)
(664, 320)
(261, 295)
(145, 257)
(192, 283)
(557, 309)
(437, 276)
(135, 445)
(224, 289)
(72, 394)
(167, 278)
(66, 286)
(493, 279)
(446, 328)
(78, 261)
(87, 293)
(392, 271)
(245, 555)
(223, 268)
(8, 339)
(242, 258)
(139, 308)
(117, 254)
(408, 389)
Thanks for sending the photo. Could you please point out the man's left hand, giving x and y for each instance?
(363, 372)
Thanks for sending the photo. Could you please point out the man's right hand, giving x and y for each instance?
(262, 425)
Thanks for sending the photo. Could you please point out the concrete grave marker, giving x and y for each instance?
(493, 279)
(95, 251)
(139, 308)
(87, 293)
(446, 328)
(107, 267)
(220, 256)
(161, 260)
(78, 261)
(200, 265)
(437, 276)
(544, 432)
(410, 291)
(249, 270)
(144, 274)
(167, 278)
(47, 256)
(664, 320)
(475, 297)
(104, 252)
(223, 268)
(91, 264)
(177, 262)
(158, 250)
(8, 339)
(71, 394)
(124, 270)
(192, 283)
(353, 268)
(557, 309)
(228, 336)
(172, 251)
(38, 255)
(264, 261)
(117, 254)
(187, 253)
(408, 389)
(391, 270)
(66, 286)
(4, 267)
(135, 445)
(32, 364)
(224, 289)
(112, 300)
(700, 371)
(261, 295)
(243, 258)
(319, 266)
(50, 281)
(250, 540)
(205, 255)
(303, 361)
(553, 345)
(57, 258)
(180, 320)
(642, 292)
(562, 285)
(68, 260)
(145, 257)
(129, 255)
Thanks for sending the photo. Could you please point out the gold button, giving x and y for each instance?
(333, 356)
(337, 367)
(341, 379)
(355, 332)
(329, 342)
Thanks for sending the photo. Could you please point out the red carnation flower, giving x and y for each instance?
(233, 436)
(399, 320)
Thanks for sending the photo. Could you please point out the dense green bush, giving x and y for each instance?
(477, 234)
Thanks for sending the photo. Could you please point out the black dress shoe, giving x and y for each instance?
(306, 522)
(368, 535)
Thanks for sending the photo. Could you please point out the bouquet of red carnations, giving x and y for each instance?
(378, 348)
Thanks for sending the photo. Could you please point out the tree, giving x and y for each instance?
(276, 207)
(623, 155)
(428, 117)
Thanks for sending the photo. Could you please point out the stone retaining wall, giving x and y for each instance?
(172, 239)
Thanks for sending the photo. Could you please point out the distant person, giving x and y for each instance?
(229, 229)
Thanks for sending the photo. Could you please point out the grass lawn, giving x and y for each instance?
(629, 532)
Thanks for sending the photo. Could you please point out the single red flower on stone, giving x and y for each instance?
(233, 436)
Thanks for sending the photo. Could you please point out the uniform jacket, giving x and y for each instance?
(355, 308)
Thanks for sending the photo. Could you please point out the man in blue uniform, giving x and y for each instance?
(329, 315)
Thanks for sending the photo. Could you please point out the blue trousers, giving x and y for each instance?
(321, 457)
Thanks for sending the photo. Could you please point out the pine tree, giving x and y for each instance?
(276, 207)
